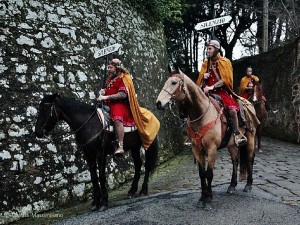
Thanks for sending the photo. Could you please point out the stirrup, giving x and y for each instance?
(120, 149)
(239, 140)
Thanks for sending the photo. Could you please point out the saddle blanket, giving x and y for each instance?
(108, 124)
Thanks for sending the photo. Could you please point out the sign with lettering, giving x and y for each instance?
(107, 50)
(211, 23)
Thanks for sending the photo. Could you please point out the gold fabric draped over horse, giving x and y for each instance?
(204, 127)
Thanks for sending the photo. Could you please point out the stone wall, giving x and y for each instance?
(279, 70)
(47, 47)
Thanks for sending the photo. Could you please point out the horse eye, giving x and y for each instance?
(174, 82)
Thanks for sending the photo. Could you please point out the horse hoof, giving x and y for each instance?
(103, 208)
(199, 204)
(143, 194)
(207, 206)
(231, 190)
(130, 195)
(247, 188)
(94, 208)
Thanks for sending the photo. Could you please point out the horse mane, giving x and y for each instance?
(76, 105)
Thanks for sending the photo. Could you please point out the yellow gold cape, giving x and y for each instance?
(244, 83)
(225, 70)
(146, 122)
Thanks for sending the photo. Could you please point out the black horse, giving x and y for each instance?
(95, 143)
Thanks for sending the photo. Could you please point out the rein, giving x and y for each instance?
(179, 89)
(182, 120)
(75, 131)
(52, 107)
(191, 121)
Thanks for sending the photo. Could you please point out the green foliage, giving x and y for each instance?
(159, 11)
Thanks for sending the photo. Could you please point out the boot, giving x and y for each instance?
(120, 150)
(120, 137)
(239, 139)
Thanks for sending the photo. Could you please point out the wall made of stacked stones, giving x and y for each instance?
(47, 47)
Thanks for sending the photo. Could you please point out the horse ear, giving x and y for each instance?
(56, 95)
(176, 67)
(170, 68)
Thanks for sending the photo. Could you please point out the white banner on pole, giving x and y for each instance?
(107, 50)
(212, 23)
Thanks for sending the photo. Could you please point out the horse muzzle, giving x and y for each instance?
(39, 132)
(160, 106)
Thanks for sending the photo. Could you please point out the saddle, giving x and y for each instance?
(246, 117)
(108, 125)
(226, 124)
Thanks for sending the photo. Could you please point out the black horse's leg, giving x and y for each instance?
(151, 156)
(102, 179)
(94, 179)
(144, 190)
(234, 159)
(135, 152)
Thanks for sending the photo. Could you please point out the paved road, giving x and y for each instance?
(174, 193)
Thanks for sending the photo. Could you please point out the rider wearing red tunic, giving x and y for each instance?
(219, 80)
(247, 84)
(119, 110)
(247, 87)
(120, 96)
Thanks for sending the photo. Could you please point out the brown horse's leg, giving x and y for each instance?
(258, 135)
(243, 163)
(234, 159)
(212, 155)
(251, 155)
(249, 173)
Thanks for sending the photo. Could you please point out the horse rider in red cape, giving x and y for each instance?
(247, 87)
(218, 79)
(119, 94)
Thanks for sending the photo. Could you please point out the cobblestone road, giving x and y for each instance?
(276, 179)
(276, 171)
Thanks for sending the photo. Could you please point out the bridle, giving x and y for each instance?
(182, 88)
(50, 114)
(53, 109)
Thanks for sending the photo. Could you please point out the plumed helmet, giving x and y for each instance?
(214, 43)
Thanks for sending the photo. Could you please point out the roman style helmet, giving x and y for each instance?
(115, 62)
(214, 43)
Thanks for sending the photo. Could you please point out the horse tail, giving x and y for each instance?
(151, 156)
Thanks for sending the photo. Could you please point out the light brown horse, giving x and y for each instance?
(204, 129)
(258, 100)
